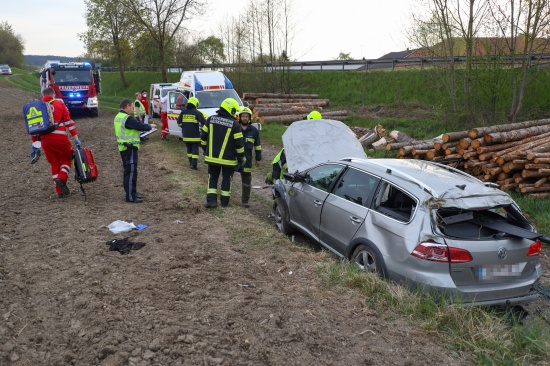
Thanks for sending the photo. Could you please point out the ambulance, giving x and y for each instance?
(156, 93)
(209, 87)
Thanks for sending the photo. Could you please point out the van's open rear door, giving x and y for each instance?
(176, 102)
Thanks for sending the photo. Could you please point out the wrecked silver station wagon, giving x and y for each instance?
(415, 222)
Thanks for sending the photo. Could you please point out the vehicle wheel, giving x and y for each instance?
(94, 112)
(281, 217)
(368, 259)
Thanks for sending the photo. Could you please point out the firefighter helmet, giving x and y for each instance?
(246, 110)
(230, 105)
(194, 101)
(314, 115)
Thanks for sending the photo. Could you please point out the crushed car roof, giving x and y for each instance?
(448, 187)
(311, 142)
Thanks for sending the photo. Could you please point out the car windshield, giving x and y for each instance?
(4, 67)
(73, 76)
(214, 98)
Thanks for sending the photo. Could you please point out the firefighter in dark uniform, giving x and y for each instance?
(252, 144)
(223, 145)
(191, 121)
(279, 166)
(127, 137)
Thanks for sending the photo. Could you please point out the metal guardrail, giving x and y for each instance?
(344, 65)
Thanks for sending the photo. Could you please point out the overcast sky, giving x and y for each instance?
(364, 28)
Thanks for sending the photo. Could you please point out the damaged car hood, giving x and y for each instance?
(311, 142)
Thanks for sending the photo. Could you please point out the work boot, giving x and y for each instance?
(247, 187)
(62, 186)
(224, 200)
(210, 204)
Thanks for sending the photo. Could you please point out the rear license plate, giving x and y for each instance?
(491, 272)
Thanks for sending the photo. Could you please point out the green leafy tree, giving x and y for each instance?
(211, 50)
(162, 19)
(344, 56)
(11, 46)
(110, 26)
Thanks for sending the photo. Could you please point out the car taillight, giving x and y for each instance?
(534, 249)
(440, 253)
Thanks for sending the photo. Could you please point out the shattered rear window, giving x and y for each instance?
(468, 224)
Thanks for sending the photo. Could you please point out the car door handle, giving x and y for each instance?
(355, 219)
(317, 202)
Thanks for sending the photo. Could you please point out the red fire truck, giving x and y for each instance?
(76, 83)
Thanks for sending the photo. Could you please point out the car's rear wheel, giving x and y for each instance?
(368, 259)
(282, 220)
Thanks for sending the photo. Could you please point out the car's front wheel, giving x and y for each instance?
(368, 259)
(282, 220)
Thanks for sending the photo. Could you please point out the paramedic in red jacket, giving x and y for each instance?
(56, 144)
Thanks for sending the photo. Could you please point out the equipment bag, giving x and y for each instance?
(85, 169)
(38, 118)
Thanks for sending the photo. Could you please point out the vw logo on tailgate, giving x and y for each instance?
(502, 253)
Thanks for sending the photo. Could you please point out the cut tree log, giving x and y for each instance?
(288, 119)
(479, 131)
(454, 136)
(380, 144)
(249, 96)
(373, 135)
(541, 181)
(369, 138)
(401, 136)
(321, 102)
(310, 106)
(514, 135)
(294, 109)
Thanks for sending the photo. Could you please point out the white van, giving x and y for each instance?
(209, 87)
(156, 92)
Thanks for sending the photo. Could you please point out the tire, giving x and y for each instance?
(282, 221)
(94, 112)
(368, 259)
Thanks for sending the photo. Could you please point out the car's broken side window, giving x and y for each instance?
(395, 203)
(356, 186)
(322, 176)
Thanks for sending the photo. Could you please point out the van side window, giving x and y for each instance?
(356, 186)
(395, 203)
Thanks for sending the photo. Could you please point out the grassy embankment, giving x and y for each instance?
(473, 333)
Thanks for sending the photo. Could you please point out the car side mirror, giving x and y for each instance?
(294, 177)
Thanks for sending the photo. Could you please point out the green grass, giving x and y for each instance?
(479, 334)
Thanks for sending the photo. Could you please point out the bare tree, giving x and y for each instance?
(109, 28)
(469, 19)
(162, 19)
(522, 23)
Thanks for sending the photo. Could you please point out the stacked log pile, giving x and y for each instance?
(287, 108)
(514, 156)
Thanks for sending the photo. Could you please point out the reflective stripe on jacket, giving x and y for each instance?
(252, 144)
(223, 139)
(191, 120)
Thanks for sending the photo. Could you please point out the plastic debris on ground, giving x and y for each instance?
(141, 226)
(119, 226)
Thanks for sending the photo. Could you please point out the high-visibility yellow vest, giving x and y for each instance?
(125, 136)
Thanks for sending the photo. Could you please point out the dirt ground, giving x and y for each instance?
(191, 296)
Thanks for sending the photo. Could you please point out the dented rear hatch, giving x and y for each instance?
(505, 264)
